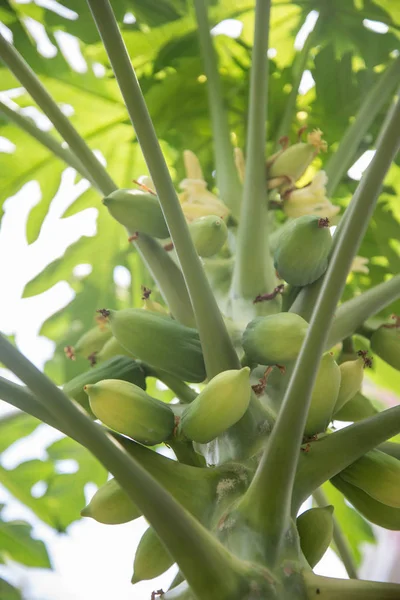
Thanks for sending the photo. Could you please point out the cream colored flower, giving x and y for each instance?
(315, 139)
(197, 201)
(310, 200)
(239, 163)
(192, 165)
(359, 265)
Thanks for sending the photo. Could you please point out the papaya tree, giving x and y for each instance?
(225, 191)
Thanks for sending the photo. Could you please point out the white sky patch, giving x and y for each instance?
(43, 43)
(100, 157)
(306, 29)
(6, 32)
(376, 26)
(6, 145)
(58, 8)
(38, 117)
(230, 27)
(67, 109)
(98, 69)
(122, 277)
(129, 18)
(272, 52)
(69, 46)
(82, 270)
(307, 82)
(355, 172)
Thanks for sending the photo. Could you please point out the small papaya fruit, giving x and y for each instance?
(377, 474)
(301, 256)
(324, 396)
(160, 341)
(219, 405)
(126, 408)
(92, 341)
(315, 527)
(151, 558)
(110, 349)
(294, 160)
(118, 367)
(209, 234)
(137, 211)
(385, 342)
(111, 505)
(352, 375)
(356, 409)
(274, 339)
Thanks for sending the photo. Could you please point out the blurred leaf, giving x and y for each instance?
(16, 542)
(8, 592)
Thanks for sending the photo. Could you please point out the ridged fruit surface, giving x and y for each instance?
(138, 212)
(126, 408)
(274, 339)
(301, 256)
(220, 405)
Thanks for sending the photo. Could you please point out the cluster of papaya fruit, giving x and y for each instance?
(126, 346)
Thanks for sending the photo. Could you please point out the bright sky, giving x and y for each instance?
(93, 560)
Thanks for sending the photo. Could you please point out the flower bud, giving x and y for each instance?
(310, 200)
(197, 201)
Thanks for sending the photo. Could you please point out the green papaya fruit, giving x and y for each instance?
(110, 349)
(160, 341)
(118, 367)
(391, 448)
(356, 409)
(373, 510)
(377, 474)
(126, 408)
(209, 234)
(294, 160)
(111, 505)
(352, 375)
(315, 528)
(92, 341)
(274, 339)
(219, 405)
(323, 397)
(137, 211)
(303, 250)
(385, 342)
(151, 558)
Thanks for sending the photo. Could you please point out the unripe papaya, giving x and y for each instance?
(274, 339)
(159, 341)
(356, 409)
(118, 367)
(209, 234)
(376, 512)
(294, 160)
(92, 341)
(111, 505)
(126, 408)
(301, 256)
(315, 527)
(137, 211)
(151, 558)
(110, 349)
(385, 342)
(352, 374)
(324, 396)
(219, 405)
(378, 475)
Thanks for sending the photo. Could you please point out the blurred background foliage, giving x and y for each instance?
(348, 49)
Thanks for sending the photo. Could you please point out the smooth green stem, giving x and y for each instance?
(180, 388)
(299, 65)
(44, 138)
(341, 161)
(168, 278)
(22, 71)
(227, 177)
(163, 269)
(329, 588)
(351, 314)
(336, 451)
(254, 272)
(277, 468)
(339, 537)
(170, 520)
(219, 354)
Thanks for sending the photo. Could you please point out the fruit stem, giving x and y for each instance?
(299, 65)
(92, 168)
(227, 176)
(253, 270)
(270, 512)
(219, 353)
(379, 94)
(342, 545)
(45, 138)
(201, 558)
(351, 314)
(330, 588)
(334, 452)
